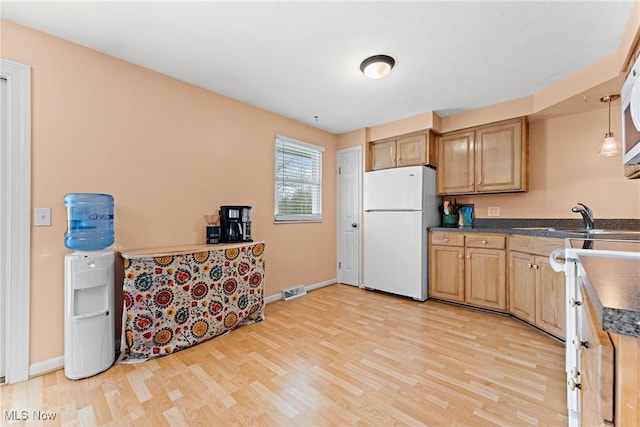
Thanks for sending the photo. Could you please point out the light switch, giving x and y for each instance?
(42, 217)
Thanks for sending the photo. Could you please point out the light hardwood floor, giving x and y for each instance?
(336, 356)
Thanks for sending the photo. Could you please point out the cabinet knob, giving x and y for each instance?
(484, 242)
(468, 256)
(574, 303)
(446, 240)
(575, 372)
(460, 256)
(535, 266)
(577, 344)
(573, 384)
(529, 265)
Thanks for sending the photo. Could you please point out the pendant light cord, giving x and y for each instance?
(609, 102)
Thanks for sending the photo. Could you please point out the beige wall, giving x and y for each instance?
(564, 169)
(168, 152)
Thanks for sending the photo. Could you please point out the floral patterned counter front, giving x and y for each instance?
(177, 297)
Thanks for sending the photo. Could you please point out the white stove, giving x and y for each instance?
(575, 275)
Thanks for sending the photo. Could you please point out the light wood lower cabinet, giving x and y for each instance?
(609, 375)
(596, 370)
(627, 380)
(446, 273)
(536, 292)
(468, 268)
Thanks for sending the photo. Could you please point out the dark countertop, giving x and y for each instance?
(613, 285)
(526, 232)
(546, 227)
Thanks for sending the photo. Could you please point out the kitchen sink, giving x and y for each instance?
(536, 228)
(600, 231)
(582, 231)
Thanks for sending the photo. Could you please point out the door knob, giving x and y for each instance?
(354, 225)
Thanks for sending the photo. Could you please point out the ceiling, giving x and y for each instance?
(301, 59)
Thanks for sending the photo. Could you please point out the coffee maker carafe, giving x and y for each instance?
(235, 224)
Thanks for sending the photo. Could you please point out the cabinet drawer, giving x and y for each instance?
(534, 245)
(492, 241)
(447, 239)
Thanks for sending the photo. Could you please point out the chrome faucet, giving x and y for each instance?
(587, 215)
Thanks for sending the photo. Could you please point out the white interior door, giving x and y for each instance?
(15, 217)
(3, 154)
(349, 215)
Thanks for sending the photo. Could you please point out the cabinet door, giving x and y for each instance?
(446, 273)
(485, 278)
(522, 295)
(412, 150)
(550, 298)
(596, 369)
(383, 155)
(455, 173)
(500, 158)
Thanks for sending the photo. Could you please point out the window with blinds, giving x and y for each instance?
(298, 180)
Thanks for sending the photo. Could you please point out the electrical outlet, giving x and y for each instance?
(42, 217)
(493, 211)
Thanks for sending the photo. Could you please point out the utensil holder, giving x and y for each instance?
(450, 220)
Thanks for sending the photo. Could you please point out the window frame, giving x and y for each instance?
(280, 144)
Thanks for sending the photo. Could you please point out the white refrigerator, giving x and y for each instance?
(399, 205)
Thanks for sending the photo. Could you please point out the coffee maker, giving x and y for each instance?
(235, 224)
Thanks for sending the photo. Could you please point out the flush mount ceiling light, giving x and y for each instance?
(610, 146)
(378, 66)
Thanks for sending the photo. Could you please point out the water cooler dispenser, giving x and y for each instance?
(89, 346)
(89, 327)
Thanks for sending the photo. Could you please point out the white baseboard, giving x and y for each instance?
(277, 297)
(45, 366)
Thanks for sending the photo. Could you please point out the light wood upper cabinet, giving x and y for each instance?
(410, 150)
(486, 159)
(455, 174)
(536, 292)
(383, 155)
(416, 150)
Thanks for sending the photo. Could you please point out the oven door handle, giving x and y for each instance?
(553, 260)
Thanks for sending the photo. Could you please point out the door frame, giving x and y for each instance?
(15, 248)
(357, 149)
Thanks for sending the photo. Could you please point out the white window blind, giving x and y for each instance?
(298, 180)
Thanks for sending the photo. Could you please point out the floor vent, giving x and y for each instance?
(291, 293)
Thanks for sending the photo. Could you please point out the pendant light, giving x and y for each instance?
(610, 146)
(378, 66)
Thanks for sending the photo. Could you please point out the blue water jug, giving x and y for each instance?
(90, 221)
